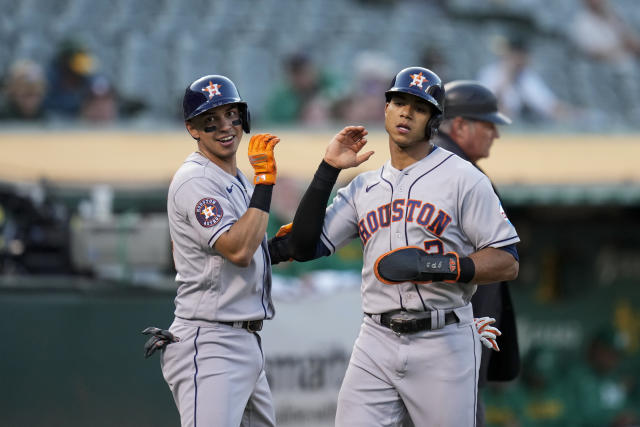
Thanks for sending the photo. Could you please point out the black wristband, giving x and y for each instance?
(325, 177)
(467, 270)
(261, 198)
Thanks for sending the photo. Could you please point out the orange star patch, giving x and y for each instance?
(213, 89)
(417, 79)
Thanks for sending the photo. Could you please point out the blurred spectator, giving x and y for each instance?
(101, 103)
(372, 74)
(24, 91)
(546, 399)
(434, 59)
(503, 404)
(69, 75)
(602, 35)
(304, 97)
(600, 384)
(522, 93)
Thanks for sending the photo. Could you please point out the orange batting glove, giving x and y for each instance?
(261, 158)
(284, 230)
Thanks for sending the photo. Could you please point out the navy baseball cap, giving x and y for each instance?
(472, 100)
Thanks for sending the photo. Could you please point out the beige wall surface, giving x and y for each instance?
(138, 158)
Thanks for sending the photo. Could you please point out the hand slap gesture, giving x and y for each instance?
(343, 149)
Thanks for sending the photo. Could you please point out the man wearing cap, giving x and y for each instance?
(469, 128)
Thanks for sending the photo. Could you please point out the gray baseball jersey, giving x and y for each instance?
(216, 371)
(203, 202)
(440, 203)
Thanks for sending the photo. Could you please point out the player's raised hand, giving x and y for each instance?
(262, 159)
(343, 150)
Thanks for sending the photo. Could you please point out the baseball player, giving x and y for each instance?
(212, 358)
(469, 128)
(212, 355)
(431, 229)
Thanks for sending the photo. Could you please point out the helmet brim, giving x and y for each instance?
(415, 92)
(495, 117)
(211, 104)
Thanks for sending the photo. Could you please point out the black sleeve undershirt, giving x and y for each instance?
(304, 242)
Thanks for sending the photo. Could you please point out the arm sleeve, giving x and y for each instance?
(307, 222)
(279, 250)
(341, 219)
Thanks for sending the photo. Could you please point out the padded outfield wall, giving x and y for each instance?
(132, 157)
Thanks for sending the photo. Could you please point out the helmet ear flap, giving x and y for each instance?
(432, 125)
(245, 116)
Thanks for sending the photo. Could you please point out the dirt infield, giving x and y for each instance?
(132, 158)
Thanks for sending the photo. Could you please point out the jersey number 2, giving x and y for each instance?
(434, 247)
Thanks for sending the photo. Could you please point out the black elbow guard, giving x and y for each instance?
(413, 264)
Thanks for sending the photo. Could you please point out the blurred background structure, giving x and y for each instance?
(91, 133)
(583, 50)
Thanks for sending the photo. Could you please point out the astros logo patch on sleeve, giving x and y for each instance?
(504, 214)
(208, 212)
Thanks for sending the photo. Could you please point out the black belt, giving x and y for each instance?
(249, 325)
(408, 325)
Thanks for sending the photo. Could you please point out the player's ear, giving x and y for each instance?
(195, 133)
(458, 125)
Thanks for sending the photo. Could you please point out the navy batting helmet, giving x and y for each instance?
(472, 100)
(424, 84)
(213, 91)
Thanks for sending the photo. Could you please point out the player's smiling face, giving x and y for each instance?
(406, 118)
(217, 133)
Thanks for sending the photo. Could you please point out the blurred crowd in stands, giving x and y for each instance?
(595, 387)
(71, 85)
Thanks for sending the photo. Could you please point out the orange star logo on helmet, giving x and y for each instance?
(417, 79)
(213, 89)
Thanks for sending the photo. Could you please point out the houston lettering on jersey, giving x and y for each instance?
(411, 210)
